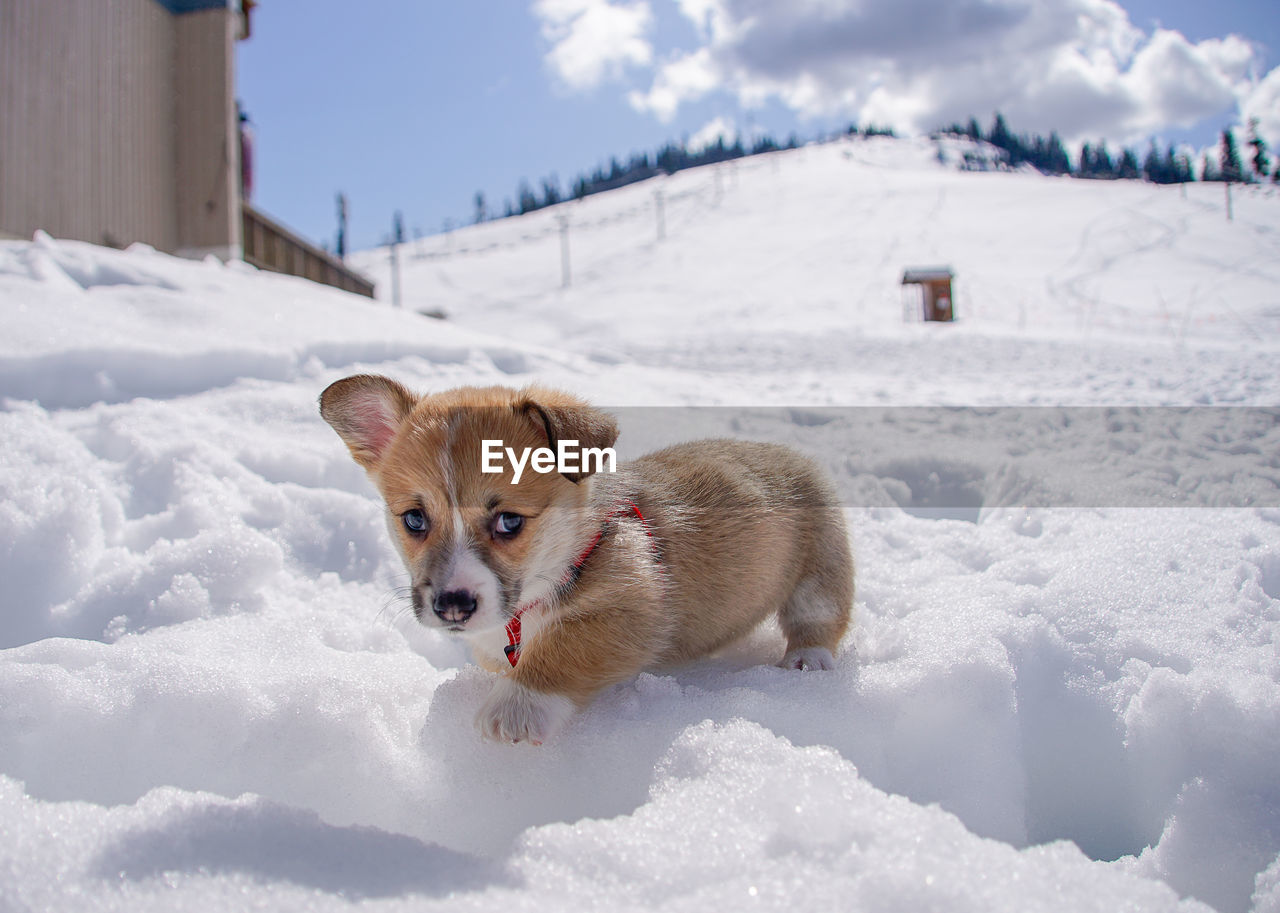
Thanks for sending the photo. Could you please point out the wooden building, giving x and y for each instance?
(119, 124)
(935, 299)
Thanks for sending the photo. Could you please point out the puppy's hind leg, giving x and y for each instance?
(817, 614)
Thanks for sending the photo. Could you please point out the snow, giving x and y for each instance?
(1057, 694)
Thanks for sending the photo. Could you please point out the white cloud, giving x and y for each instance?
(1077, 66)
(594, 40)
(713, 19)
(719, 128)
(686, 77)
(1263, 102)
(1177, 82)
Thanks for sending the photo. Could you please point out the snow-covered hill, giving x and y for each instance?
(211, 696)
(791, 263)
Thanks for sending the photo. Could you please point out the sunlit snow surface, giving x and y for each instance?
(211, 695)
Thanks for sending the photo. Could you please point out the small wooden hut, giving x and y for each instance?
(936, 301)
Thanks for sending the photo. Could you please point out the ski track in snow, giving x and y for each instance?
(212, 696)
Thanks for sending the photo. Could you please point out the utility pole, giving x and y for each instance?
(342, 226)
(662, 213)
(564, 249)
(396, 240)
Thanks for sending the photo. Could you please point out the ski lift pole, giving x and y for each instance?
(342, 226)
(564, 249)
(396, 240)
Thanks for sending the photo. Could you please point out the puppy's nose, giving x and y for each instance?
(455, 606)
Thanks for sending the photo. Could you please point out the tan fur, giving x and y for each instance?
(740, 531)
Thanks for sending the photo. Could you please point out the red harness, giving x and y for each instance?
(624, 507)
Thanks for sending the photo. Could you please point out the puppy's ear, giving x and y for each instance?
(567, 418)
(366, 410)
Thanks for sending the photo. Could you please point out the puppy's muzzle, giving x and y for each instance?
(455, 606)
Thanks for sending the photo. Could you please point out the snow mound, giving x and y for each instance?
(213, 693)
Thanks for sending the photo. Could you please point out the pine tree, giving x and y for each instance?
(526, 200)
(550, 191)
(1183, 171)
(1000, 134)
(1229, 158)
(1103, 165)
(482, 211)
(1128, 167)
(1154, 168)
(1048, 155)
(1209, 169)
(669, 159)
(1261, 162)
(1002, 137)
(1058, 161)
(1095, 162)
(764, 143)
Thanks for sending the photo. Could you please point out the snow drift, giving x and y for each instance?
(211, 696)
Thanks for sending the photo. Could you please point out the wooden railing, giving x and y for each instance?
(269, 245)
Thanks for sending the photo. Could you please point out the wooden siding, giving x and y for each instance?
(208, 146)
(94, 95)
(118, 124)
(269, 245)
(86, 146)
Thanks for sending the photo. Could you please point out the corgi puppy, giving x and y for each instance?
(570, 575)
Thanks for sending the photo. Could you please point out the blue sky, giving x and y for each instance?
(416, 105)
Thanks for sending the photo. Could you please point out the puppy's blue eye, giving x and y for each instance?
(415, 521)
(507, 525)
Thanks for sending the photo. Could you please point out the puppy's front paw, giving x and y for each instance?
(809, 658)
(514, 713)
